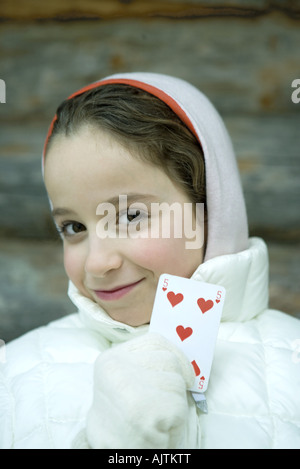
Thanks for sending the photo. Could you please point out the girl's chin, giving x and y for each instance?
(129, 319)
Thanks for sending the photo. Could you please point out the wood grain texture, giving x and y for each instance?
(18, 10)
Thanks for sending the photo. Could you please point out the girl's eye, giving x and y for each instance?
(71, 228)
(132, 216)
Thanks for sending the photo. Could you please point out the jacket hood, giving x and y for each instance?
(244, 276)
(227, 220)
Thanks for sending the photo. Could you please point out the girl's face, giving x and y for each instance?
(114, 260)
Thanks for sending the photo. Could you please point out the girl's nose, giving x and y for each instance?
(103, 256)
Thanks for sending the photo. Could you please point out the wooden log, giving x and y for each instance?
(109, 9)
(244, 66)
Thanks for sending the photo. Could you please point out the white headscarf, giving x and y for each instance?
(227, 231)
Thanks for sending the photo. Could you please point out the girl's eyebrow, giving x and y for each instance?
(62, 212)
(130, 198)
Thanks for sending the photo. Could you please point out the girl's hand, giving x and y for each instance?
(140, 395)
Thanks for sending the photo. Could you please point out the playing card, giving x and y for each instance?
(188, 313)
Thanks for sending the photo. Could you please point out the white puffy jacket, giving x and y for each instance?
(253, 397)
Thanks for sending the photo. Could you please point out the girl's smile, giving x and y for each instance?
(117, 292)
(120, 274)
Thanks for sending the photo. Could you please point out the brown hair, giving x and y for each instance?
(143, 124)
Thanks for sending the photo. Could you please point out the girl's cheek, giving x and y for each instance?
(166, 255)
(72, 265)
(153, 254)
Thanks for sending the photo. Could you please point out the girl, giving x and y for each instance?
(98, 378)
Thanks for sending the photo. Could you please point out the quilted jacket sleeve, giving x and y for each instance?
(141, 398)
(6, 415)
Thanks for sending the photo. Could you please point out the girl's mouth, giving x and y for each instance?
(116, 293)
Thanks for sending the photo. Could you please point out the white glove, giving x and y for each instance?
(140, 396)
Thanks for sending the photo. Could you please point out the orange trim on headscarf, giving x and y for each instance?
(138, 84)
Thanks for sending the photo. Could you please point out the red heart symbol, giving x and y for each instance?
(204, 305)
(163, 288)
(218, 301)
(202, 377)
(196, 368)
(174, 299)
(184, 333)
